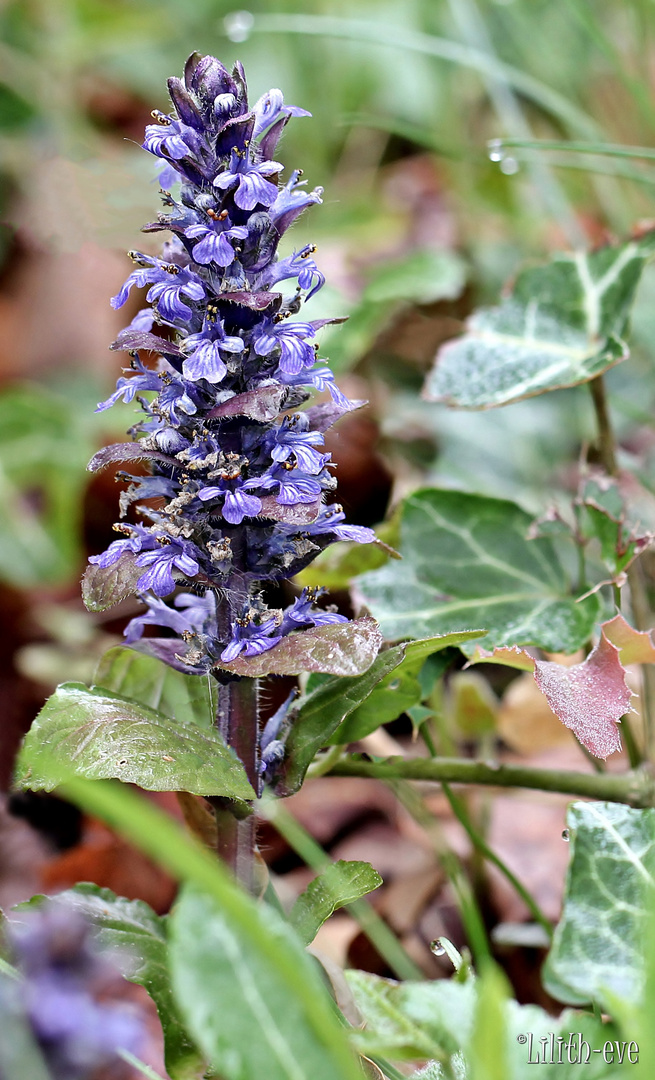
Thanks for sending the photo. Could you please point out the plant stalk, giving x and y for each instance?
(635, 787)
(237, 719)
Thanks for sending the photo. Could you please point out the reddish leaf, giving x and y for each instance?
(263, 404)
(132, 451)
(635, 646)
(589, 698)
(507, 655)
(298, 514)
(104, 586)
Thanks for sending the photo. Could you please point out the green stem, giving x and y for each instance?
(478, 841)
(376, 930)
(635, 787)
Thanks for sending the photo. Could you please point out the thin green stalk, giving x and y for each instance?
(598, 148)
(635, 787)
(399, 37)
(471, 917)
(643, 621)
(478, 841)
(376, 930)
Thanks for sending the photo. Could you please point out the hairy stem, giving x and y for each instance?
(237, 720)
(635, 787)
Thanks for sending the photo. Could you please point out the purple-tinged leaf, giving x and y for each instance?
(506, 655)
(132, 451)
(128, 340)
(263, 404)
(338, 649)
(170, 651)
(323, 416)
(589, 698)
(299, 514)
(635, 646)
(258, 301)
(104, 586)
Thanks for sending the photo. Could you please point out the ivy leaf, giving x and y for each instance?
(467, 562)
(251, 996)
(148, 681)
(598, 947)
(338, 885)
(104, 586)
(96, 734)
(135, 938)
(560, 326)
(337, 649)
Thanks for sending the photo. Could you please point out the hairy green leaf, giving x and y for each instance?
(249, 1018)
(561, 325)
(104, 586)
(95, 734)
(467, 562)
(338, 885)
(597, 949)
(398, 691)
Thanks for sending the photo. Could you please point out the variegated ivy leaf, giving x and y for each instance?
(561, 325)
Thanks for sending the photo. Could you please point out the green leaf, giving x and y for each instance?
(95, 734)
(148, 681)
(42, 457)
(488, 1039)
(135, 938)
(20, 1057)
(412, 1019)
(422, 277)
(338, 885)
(561, 325)
(398, 691)
(250, 1018)
(317, 716)
(466, 561)
(597, 949)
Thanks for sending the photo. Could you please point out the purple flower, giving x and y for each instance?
(290, 202)
(139, 540)
(302, 613)
(165, 142)
(215, 246)
(169, 284)
(158, 578)
(251, 638)
(192, 615)
(296, 351)
(269, 108)
(237, 504)
(249, 177)
(294, 440)
(300, 266)
(204, 360)
(79, 1034)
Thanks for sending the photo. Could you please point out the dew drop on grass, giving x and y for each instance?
(238, 25)
(436, 948)
(566, 835)
(509, 166)
(496, 152)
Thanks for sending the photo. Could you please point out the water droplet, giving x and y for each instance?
(509, 166)
(436, 948)
(395, 684)
(495, 148)
(566, 835)
(238, 25)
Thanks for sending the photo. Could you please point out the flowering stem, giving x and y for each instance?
(635, 787)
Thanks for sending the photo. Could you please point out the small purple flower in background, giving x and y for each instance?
(64, 992)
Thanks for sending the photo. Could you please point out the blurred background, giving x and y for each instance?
(421, 222)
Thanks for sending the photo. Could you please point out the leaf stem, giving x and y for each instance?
(635, 787)
(478, 841)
